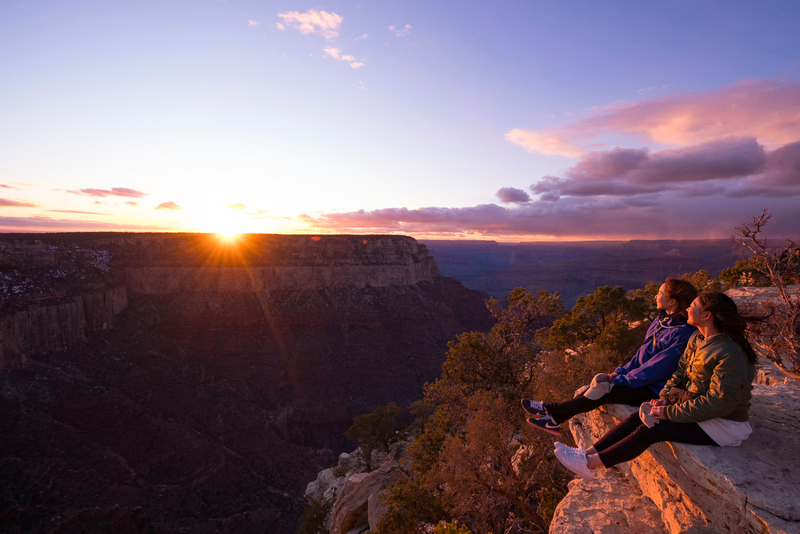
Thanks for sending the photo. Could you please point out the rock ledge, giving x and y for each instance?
(679, 488)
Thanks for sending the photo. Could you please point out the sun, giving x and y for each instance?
(228, 226)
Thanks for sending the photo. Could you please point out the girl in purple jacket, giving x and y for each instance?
(641, 379)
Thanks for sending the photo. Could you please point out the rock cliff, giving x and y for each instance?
(677, 488)
(176, 382)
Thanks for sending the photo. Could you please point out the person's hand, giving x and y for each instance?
(659, 402)
(658, 411)
(613, 375)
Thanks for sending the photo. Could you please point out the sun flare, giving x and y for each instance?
(228, 226)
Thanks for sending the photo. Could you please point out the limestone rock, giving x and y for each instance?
(750, 488)
(352, 509)
(610, 504)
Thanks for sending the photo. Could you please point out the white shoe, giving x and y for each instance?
(575, 463)
(575, 451)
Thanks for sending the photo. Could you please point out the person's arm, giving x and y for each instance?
(634, 362)
(660, 365)
(678, 376)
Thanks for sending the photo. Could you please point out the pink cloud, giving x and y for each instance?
(768, 110)
(44, 224)
(168, 206)
(15, 203)
(313, 22)
(79, 212)
(113, 192)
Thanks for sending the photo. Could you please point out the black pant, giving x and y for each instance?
(631, 438)
(619, 394)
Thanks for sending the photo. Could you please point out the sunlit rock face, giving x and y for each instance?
(176, 381)
(678, 488)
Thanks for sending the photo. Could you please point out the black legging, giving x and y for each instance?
(619, 394)
(631, 438)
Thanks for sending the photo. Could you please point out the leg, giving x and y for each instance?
(631, 438)
(619, 394)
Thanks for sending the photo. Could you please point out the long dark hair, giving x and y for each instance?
(728, 320)
(682, 291)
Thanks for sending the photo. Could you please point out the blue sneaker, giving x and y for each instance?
(534, 407)
(547, 424)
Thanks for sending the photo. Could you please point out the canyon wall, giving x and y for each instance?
(179, 382)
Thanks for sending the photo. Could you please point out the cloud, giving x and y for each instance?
(131, 203)
(361, 37)
(336, 53)
(15, 204)
(654, 217)
(40, 223)
(79, 212)
(722, 157)
(767, 110)
(511, 194)
(168, 206)
(401, 32)
(237, 206)
(549, 143)
(4, 186)
(113, 192)
(733, 167)
(253, 23)
(313, 22)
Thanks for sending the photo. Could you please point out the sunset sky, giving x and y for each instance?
(509, 120)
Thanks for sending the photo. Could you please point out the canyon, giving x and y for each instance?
(184, 383)
(576, 268)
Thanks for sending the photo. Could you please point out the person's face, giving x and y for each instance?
(663, 302)
(697, 316)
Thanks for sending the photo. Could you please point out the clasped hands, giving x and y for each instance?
(657, 408)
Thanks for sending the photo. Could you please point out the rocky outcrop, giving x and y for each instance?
(360, 502)
(54, 324)
(354, 495)
(678, 488)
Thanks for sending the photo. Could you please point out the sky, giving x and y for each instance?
(514, 121)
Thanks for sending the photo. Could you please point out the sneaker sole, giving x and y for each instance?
(552, 431)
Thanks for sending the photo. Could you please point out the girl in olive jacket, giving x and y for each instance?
(705, 402)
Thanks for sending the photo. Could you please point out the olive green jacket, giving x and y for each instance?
(717, 376)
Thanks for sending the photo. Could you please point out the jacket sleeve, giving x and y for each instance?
(729, 381)
(660, 365)
(634, 362)
(678, 376)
